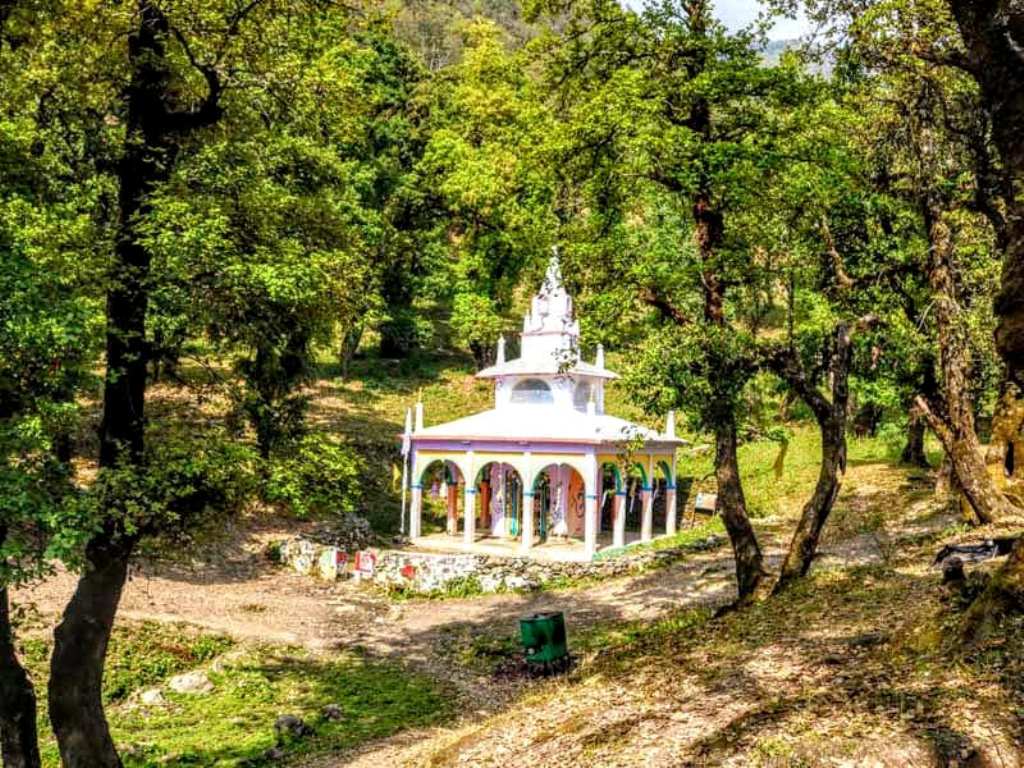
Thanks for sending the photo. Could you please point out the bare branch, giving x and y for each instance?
(654, 298)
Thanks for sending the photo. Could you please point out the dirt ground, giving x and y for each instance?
(733, 698)
(249, 598)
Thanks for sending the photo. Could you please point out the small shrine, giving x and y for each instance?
(546, 464)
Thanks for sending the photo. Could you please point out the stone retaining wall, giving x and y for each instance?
(426, 573)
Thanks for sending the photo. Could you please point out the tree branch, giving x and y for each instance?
(654, 298)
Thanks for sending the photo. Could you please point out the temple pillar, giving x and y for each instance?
(590, 513)
(415, 511)
(619, 521)
(646, 514)
(560, 501)
(469, 514)
(670, 510)
(591, 488)
(526, 541)
(453, 509)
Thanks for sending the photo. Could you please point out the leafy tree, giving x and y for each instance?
(931, 53)
(677, 126)
(49, 335)
(486, 159)
(131, 96)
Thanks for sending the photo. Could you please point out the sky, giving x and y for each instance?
(739, 13)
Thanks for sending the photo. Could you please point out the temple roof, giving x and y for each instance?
(546, 365)
(541, 423)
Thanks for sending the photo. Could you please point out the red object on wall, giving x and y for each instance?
(365, 562)
(409, 570)
(340, 558)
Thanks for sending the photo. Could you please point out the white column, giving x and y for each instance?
(469, 502)
(619, 524)
(647, 514)
(526, 541)
(591, 488)
(670, 508)
(416, 510)
(561, 522)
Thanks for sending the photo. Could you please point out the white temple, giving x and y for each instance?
(546, 461)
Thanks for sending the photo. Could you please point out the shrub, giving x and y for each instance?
(314, 476)
(187, 484)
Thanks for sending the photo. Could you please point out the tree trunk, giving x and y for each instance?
(993, 35)
(79, 653)
(955, 424)
(733, 508)
(349, 346)
(152, 133)
(1004, 594)
(913, 452)
(804, 544)
(19, 742)
(831, 416)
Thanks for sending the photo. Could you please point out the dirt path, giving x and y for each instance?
(248, 598)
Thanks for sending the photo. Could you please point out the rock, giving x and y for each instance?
(152, 697)
(274, 753)
(868, 639)
(332, 712)
(291, 725)
(195, 683)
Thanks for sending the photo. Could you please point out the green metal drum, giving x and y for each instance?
(543, 637)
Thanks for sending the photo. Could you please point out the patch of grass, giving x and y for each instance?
(139, 656)
(459, 587)
(152, 653)
(234, 725)
(766, 493)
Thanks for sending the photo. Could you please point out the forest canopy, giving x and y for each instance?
(237, 199)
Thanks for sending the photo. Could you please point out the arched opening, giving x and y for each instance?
(442, 484)
(532, 392)
(636, 483)
(499, 505)
(559, 505)
(662, 481)
(611, 487)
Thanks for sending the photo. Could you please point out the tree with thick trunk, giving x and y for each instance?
(831, 415)
(732, 505)
(993, 36)
(951, 417)
(153, 132)
(913, 452)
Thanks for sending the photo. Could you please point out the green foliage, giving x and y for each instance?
(487, 160)
(314, 476)
(234, 724)
(184, 485)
